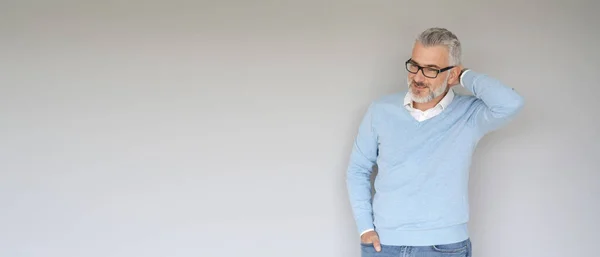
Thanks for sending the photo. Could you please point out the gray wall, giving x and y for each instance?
(224, 129)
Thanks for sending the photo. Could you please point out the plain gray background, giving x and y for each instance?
(145, 128)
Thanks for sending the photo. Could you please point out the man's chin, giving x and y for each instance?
(419, 98)
(419, 94)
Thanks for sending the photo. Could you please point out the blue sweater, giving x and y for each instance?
(423, 167)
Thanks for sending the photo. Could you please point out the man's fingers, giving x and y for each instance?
(376, 244)
(372, 238)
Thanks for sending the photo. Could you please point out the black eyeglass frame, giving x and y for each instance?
(421, 69)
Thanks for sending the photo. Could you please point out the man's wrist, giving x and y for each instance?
(368, 230)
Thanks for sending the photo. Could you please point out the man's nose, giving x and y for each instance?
(419, 77)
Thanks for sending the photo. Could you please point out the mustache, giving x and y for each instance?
(420, 84)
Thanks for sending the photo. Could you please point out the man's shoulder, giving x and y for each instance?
(458, 95)
(465, 98)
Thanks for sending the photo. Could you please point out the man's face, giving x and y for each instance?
(421, 88)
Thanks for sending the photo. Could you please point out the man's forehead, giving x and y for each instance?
(430, 56)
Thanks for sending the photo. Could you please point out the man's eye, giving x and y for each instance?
(430, 71)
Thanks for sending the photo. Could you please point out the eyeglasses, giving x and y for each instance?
(429, 72)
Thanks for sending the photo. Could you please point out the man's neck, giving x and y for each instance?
(430, 104)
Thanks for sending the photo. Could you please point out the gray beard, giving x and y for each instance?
(432, 93)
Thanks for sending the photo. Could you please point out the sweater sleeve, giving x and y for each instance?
(496, 105)
(358, 177)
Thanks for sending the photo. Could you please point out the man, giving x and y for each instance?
(422, 141)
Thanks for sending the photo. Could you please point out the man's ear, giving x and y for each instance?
(454, 73)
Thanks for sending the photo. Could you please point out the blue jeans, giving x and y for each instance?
(460, 249)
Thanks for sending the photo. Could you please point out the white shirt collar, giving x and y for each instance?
(443, 103)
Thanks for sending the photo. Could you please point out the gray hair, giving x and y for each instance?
(443, 37)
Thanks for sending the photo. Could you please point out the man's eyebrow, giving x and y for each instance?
(432, 65)
(428, 65)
